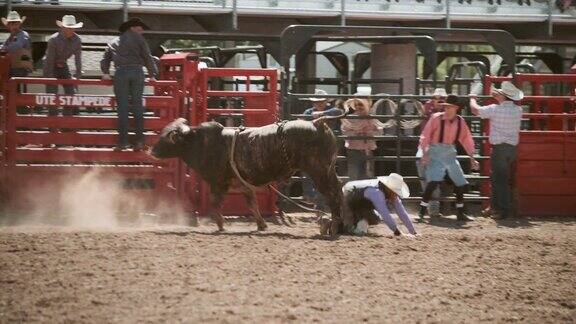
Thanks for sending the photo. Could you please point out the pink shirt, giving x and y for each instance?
(431, 133)
(360, 127)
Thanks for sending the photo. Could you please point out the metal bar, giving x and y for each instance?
(342, 12)
(448, 22)
(549, 19)
(234, 14)
(125, 10)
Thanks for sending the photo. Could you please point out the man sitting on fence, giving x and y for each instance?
(130, 54)
(440, 157)
(505, 119)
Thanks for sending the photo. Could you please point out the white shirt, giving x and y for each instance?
(504, 122)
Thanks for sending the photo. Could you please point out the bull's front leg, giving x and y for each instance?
(250, 196)
(327, 183)
(216, 197)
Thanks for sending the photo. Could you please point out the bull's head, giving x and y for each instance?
(172, 140)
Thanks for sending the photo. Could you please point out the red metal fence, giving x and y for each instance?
(252, 105)
(42, 150)
(545, 176)
(39, 150)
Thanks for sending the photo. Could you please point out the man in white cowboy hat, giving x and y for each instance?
(130, 53)
(505, 119)
(439, 156)
(320, 106)
(17, 45)
(367, 202)
(61, 46)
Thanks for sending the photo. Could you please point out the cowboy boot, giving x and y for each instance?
(462, 216)
(421, 213)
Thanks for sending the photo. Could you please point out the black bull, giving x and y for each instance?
(262, 155)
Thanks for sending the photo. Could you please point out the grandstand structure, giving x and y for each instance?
(529, 21)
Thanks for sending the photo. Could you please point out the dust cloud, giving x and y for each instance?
(92, 200)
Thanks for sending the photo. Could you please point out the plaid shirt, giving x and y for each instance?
(504, 122)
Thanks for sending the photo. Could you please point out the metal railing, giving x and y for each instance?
(542, 11)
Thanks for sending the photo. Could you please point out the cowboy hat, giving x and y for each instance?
(319, 92)
(69, 21)
(509, 90)
(396, 183)
(132, 22)
(451, 101)
(13, 16)
(439, 92)
(358, 104)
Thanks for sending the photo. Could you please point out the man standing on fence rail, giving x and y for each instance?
(130, 54)
(61, 46)
(505, 119)
(17, 45)
(440, 157)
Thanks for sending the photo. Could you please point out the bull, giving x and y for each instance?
(261, 155)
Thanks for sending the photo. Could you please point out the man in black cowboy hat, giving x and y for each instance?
(130, 54)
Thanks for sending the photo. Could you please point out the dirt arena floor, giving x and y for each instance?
(508, 271)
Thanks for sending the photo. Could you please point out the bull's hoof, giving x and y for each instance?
(334, 229)
(324, 226)
(262, 227)
(221, 229)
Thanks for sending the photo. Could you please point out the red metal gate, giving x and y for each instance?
(249, 106)
(545, 175)
(43, 151)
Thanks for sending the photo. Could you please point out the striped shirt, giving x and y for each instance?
(505, 121)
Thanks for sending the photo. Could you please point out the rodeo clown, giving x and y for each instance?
(440, 157)
(366, 202)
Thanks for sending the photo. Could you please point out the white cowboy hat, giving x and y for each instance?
(439, 92)
(69, 21)
(396, 183)
(12, 17)
(509, 90)
(319, 92)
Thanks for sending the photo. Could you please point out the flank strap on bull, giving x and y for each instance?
(233, 163)
(252, 187)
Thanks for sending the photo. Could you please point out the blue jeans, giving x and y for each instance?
(356, 161)
(62, 73)
(501, 159)
(310, 192)
(129, 83)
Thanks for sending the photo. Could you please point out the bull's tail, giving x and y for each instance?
(327, 118)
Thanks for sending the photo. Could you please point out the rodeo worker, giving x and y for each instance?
(17, 46)
(367, 202)
(440, 156)
(505, 121)
(130, 53)
(62, 46)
